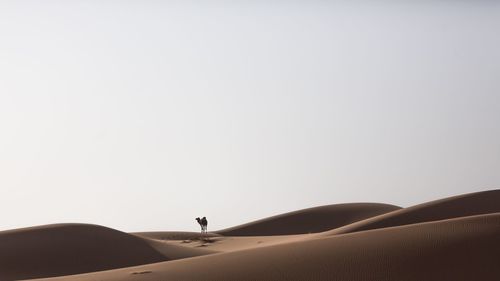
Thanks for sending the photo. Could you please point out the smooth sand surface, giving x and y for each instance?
(456, 238)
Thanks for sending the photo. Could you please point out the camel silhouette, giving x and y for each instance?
(203, 223)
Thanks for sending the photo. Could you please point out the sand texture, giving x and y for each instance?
(455, 238)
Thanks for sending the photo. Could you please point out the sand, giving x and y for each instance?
(455, 238)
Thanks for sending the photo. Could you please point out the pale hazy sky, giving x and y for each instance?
(142, 115)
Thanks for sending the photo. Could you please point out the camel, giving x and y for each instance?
(203, 223)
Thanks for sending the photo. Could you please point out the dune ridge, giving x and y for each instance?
(470, 204)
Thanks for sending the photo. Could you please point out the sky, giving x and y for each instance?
(142, 115)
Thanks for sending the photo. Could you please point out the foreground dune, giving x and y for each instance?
(456, 238)
(457, 249)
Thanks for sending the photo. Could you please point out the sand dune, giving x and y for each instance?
(456, 238)
(310, 220)
(457, 249)
(452, 207)
(63, 249)
(172, 235)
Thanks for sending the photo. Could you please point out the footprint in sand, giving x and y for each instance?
(141, 272)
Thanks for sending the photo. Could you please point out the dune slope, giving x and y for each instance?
(464, 248)
(310, 220)
(62, 249)
(458, 206)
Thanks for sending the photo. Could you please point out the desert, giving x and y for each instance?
(456, 238)
(147, 140)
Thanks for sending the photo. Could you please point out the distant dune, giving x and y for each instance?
(456, 238)
(310, 220)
